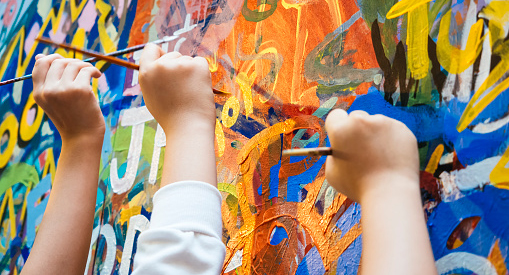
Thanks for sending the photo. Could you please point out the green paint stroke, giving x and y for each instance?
(18, 173)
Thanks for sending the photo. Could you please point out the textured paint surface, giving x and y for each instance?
(440, 67)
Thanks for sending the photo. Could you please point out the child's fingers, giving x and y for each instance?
(359, 113)
(172, 55)
(335, 118)
(72, 69)
(39, 56)
(41, 68)
(85, 76)
(57, 69)
(150, 53)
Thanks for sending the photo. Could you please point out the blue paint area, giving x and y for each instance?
(107, 148)
(274, 180)
(312, 264)
(424, 121)
(429, 124)
(351, 217)
(99, 199)
(349, 261)
(135, 190)
(121, 170)
(245, 126)
(473, 147)
(295, 183)
(278, 235)
(491, 205)
(34, 213)
(145, 26)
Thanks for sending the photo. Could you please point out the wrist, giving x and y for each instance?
(189, 128)
(390, 186)
(86, 141)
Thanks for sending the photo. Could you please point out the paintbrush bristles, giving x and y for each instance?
(320, 151)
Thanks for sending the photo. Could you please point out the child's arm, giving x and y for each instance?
(375, 162)
(185, 228)
(62, 89)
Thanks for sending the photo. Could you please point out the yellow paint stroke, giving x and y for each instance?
(417, 41)
(497, 260)
(18, 42)
(245, 83)
(220, 140)
(405, 6)
(434, 160)
(126, 214)
(499, 176)
(477, 104)
(301, 36)
(451, 58)
(253, 59)
(213, 64)
(496, 13)
(27, 132)
(95, 87)
(24, 206)
(8, 203)
(105, 33)
(228, 188)
(49, 165)
(232, 103)
(78, 41)
(76, 10)
(9, 124)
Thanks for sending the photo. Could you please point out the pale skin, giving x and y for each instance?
(375, 162)
(62, 89)
(379, 168)
(183, 104)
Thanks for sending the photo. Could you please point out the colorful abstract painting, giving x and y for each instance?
(441, 67)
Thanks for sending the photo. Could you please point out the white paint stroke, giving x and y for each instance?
(472, 262)
(120, 186)
(95, 234)
(484, 65)
(136, 223)
(447, 158)
(135, 116)
(235, 262)
(111, 249)
(152, 177)
(472, 176)
(488, 127)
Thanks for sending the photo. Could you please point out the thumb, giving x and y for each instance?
(150, 53)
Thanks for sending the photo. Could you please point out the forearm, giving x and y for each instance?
(63, 239)
(395, 238)
(189, 154)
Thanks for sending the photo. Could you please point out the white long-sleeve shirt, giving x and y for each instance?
(184, 236)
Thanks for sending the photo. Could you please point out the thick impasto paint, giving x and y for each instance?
(441, 67)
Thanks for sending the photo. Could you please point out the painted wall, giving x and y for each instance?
(441, 67)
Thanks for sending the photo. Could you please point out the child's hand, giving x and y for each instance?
(370, 153)
(177, 89)
(62, 89)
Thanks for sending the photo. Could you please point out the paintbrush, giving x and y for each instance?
(319, 151)
(98, 56)
(110, 59)
(93, 59)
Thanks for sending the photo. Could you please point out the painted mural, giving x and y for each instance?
(441, 67)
